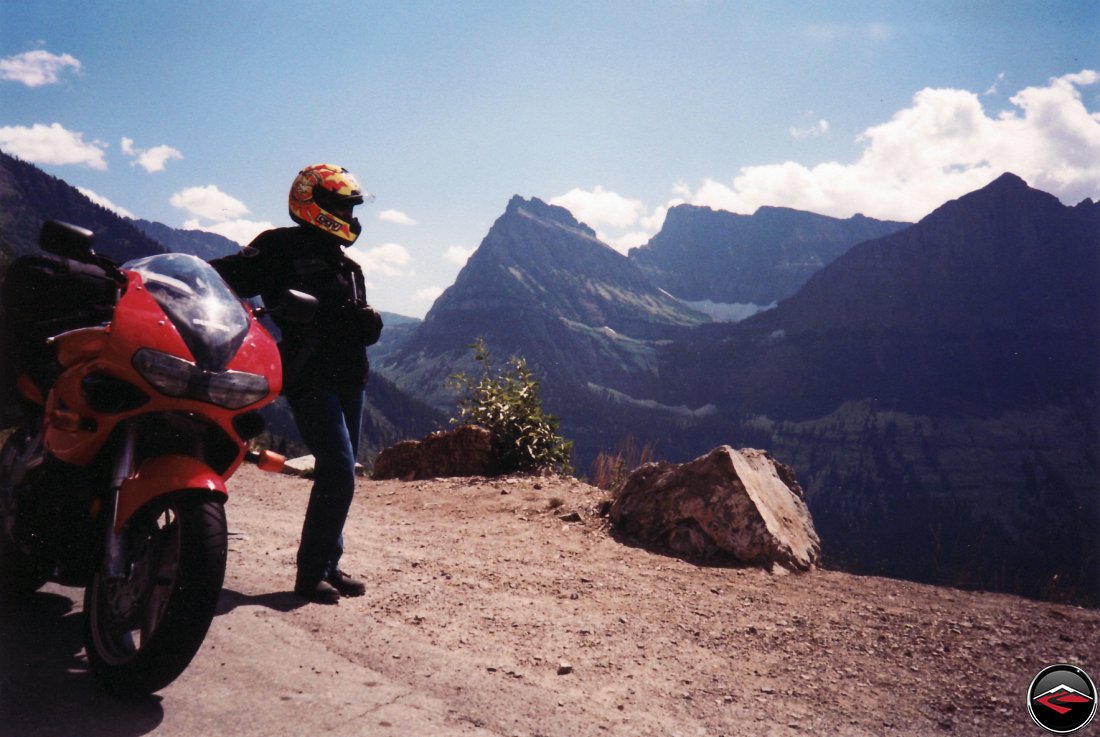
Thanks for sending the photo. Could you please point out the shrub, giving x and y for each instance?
(506, 402)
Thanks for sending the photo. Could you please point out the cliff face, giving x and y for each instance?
(704, 254)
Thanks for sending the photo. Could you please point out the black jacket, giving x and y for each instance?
(331, 351)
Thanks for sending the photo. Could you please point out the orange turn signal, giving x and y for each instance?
(267, 460)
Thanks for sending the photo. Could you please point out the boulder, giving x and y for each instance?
(463, 451)
(728, 503)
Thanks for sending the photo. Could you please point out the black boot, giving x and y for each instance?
(319, 592)
(346, 585)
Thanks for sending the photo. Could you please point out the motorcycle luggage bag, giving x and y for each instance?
(47, 295)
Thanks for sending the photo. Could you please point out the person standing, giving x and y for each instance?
(325, 366)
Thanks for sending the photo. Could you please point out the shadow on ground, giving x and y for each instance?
(45, 686)
(280, 601)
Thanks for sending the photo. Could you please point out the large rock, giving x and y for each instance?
(738, 503)
(463, 451)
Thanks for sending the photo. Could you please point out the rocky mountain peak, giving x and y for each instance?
(1004, 257)
(538, 258)
(536, 209)
(1008, 202)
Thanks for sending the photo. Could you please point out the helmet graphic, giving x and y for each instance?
(323, 196)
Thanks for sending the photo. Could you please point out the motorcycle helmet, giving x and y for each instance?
(323, 196)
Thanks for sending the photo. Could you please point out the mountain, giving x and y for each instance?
(936, 391)
(712, 255)
(990, 302)
(29, 197)
(199, 243)
(542, 285)
(934, 388)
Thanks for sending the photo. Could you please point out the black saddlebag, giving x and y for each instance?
(46, 295)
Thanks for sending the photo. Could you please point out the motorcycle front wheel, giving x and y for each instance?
(141, 631)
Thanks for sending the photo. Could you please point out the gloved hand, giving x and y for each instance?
(369, 323)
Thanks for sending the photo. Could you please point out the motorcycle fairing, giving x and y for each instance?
(164, 475)
(139, 322)
(209, 318)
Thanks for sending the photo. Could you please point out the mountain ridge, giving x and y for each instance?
(29, 197)
(706, 254)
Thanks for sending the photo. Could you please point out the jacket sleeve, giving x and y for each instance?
(248, 271)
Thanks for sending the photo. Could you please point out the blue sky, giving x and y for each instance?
(199, 114)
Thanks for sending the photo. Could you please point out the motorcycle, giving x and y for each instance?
(118, 483)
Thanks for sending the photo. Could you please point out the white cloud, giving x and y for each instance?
(622, 221)
(656, 220)
(429, 294)
(814, 131)
(37, 68)
(241, 231)
(104, 202)
(52, 144)
(150, 159)
(209, 203)
(396, 216)
(388, 259)
(599, 207)
(623, 243)
(941, 147)
(458, 255)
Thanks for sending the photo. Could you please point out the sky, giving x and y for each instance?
(199, 114)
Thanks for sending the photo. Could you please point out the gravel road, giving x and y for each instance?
(503, 607)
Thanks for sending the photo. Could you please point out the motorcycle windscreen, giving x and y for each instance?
(208, 316)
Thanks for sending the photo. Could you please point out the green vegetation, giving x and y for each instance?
(506, 402)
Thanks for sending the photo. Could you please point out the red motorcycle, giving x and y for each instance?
(118, 483)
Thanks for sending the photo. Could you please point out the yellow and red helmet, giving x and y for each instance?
(323, 196)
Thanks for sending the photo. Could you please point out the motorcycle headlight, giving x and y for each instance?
(168, 374)
(235, 389)
(177, 377)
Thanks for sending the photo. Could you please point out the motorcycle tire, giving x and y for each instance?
(21, 573)
(142, 631)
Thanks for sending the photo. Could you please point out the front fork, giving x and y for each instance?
(114, 563)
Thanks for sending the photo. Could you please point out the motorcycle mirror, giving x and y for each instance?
(67, 241)
(295, 306)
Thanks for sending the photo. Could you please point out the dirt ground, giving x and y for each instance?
(504, 607)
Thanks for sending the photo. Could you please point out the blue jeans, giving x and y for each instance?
(329, 423)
